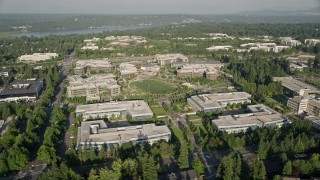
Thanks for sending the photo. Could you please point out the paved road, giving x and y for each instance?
(64, 70)
(206, 158)
(28, 172)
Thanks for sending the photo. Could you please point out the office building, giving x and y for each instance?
(97, 134)
(289, 41)
(37, 57)
(259, 116)
(217, 48)
(5, 73)
(311, 42)
(126, 40)
(164, 59)
(128, 69)
(296, 87)
(93, 66)
(22, 90)
(149, 70)
(298, 104)
(94, 87)
(217, 101)
(134, 110)
(209, 70)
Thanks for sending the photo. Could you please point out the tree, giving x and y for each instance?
(102, 153)
(130, 167)
(151, 170)
(258, 170)
(108, 174)
(3, 165)
(92, 154)
(93, 175)
(316, 62)
(226, 168)
(18, 157)
(47, 154)
(287, 169)
(60, 172)
(117, 167)
(197, 165)
(183, 160)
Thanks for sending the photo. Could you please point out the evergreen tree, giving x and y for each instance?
(197, 165)
(183, 160)
(258, 170)
(287, 169)
(102, 153)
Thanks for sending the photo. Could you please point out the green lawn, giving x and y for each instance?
(178, 133)
(158, 111)
(153, 86)
(193, 117)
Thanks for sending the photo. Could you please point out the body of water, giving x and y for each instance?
(81, 31)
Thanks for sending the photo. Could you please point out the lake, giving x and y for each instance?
(80, 31)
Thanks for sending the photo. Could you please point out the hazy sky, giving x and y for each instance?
(151, 6)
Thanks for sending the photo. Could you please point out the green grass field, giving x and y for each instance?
(177, 132)
(153, 86)
(158, 111)
(193, 117)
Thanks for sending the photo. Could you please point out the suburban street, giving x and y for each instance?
(35, 167)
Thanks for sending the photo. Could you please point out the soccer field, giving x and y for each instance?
(154, 86)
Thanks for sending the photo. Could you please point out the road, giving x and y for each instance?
(35, 167)
(206, 158)
(64, 70)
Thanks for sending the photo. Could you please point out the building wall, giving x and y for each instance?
(165, 137)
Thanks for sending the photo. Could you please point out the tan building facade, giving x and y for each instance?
(91, 66)
(94, 87)
(164, 59)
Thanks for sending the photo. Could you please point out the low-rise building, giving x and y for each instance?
(210, 70)
(297, 87)
(22, 90)
(217, 101)
(128, 69)
(91, 47)
(135, 110)
(289, 41)
(164, 59)
(266, 47)
(217, 48)
(150, 70)
(301, 58)
(37, 57)
(297, 66)
(298, 104)
(94, 87)
(97, 66)
(259, 116)
(97, 134)
(126, 40)
(93, 40)
(5, 73)
(311, 42)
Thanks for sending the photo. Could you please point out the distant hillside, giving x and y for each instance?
(42, 23)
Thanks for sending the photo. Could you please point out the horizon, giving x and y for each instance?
(121, 7)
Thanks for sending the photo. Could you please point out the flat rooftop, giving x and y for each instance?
(260, 115)
(93, 63)
(105, 80)
(22, 87)
(170, 56)
(134, 108)
(97, 131)
(294, 84)
(207, 101)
